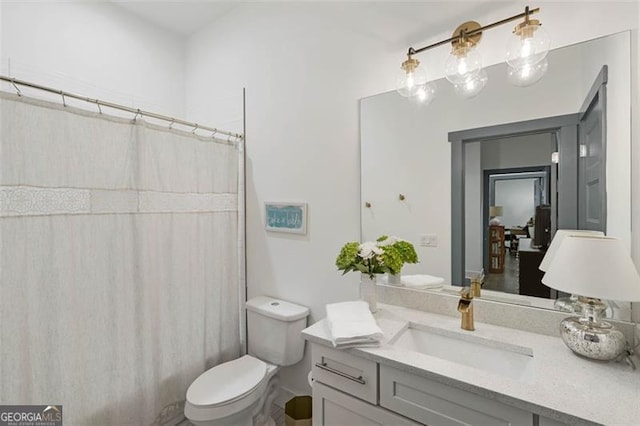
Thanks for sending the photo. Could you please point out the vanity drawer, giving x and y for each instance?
(433, 403)
(334, 408)
(346, 372)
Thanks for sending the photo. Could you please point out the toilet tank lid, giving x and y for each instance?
(276, 308)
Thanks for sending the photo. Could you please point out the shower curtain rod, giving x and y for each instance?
(15, 82)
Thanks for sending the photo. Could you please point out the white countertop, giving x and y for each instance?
(564, 386)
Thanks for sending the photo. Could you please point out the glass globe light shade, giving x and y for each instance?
(528, 45)
(462, 64)
(472, 86)
(425, 94)
(408, 81)
(527, 74)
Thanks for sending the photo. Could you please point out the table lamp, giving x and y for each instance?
(567, 304)
(557, 239)
(593, 267)
(494, 212)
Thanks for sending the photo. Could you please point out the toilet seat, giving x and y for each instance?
(228, 389)
(227, 382)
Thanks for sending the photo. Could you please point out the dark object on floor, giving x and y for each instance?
(298, 411)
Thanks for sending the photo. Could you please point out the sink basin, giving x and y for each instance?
(513, 361)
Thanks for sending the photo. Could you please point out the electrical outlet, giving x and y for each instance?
(428, 240)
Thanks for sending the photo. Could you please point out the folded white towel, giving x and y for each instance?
(351, 324)
(422, 281)
(358, 343)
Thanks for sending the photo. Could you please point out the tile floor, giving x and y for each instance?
(277, 414)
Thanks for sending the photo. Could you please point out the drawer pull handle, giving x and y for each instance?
(325, 367)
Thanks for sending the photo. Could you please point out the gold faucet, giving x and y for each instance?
(466, 309)
(476, 285)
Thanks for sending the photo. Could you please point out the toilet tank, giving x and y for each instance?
(274, 330)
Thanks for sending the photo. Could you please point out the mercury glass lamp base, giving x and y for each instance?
(589, 336)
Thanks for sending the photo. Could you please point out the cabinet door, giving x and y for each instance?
(433, 403)
(334, 408)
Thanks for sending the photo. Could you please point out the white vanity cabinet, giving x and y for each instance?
(345, 391)
(433, 403)
(349, 391)
(434, 381)
(334, 408)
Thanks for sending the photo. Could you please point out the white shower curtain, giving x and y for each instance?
(118, 262)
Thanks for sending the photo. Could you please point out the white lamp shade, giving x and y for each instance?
(592, 266)
(495, 211)
(557, 239)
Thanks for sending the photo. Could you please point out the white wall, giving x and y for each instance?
(94, 49)
(517, 198)
(304, 73)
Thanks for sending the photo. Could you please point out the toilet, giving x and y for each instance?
(236, 392)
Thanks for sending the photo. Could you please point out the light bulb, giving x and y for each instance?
(472, 86)
(425, 94)
(528, 45)
(410, 77)
(527, 74)
(462, 64)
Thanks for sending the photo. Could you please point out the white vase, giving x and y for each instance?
(395, 279)
(368, 291)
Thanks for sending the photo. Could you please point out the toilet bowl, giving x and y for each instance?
(232, 393)
(236, 392)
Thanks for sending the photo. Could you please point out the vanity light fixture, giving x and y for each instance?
(527, 52)
(464, 62)
(411, 76)
(593, 267)
(526, 56)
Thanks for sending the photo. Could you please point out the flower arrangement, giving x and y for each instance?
(385, 255)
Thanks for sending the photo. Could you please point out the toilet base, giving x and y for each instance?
(260, 420)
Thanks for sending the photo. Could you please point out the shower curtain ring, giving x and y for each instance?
(64, 101)
(137, 114)
(98, 105)
(173, 121)
(18, 92)
(213, 135)
(193, 132)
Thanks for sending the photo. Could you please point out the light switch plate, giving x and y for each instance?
(428, 240)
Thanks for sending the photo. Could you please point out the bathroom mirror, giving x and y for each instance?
(406, 157)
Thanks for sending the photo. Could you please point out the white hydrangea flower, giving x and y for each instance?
(369, 249)
(388, 242)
